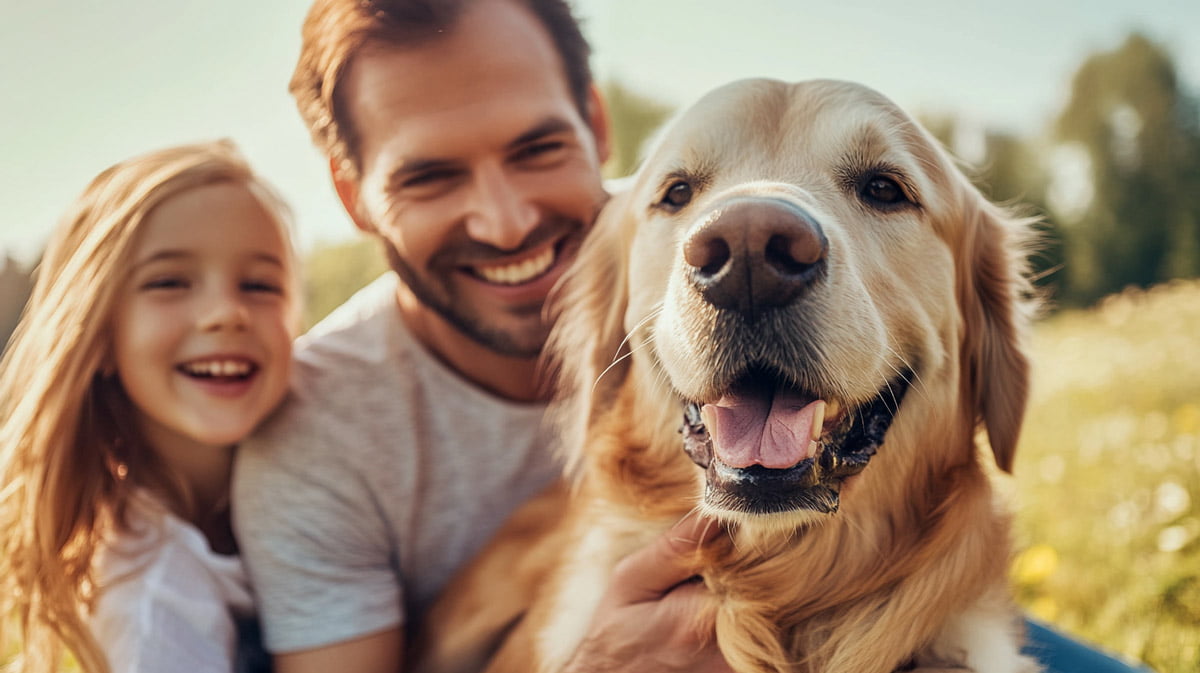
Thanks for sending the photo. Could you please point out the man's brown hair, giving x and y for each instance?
(336, 30)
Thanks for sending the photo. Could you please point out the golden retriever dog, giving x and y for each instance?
(803, 320)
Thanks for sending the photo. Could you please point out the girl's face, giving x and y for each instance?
(202, 338)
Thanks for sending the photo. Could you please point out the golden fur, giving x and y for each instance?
(909, 571)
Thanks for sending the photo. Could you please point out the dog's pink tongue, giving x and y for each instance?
(774, 431)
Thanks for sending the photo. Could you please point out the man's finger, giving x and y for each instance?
(650, 572)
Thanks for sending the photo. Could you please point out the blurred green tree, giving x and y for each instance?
(1009, 170)
(633, 118)
(1130, 135)
(334, 272)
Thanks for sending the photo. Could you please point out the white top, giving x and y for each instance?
(379, 476)
(168, 603)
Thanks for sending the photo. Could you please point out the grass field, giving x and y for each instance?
(1107, 485)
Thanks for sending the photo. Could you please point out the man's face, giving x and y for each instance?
(478, 170)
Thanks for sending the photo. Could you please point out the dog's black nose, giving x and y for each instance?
(754, 254)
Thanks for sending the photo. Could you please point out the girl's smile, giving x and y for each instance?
(222, 375)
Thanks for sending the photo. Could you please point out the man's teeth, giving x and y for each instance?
(218, 368)
(521, 272)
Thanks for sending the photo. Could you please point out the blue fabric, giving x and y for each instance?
(1062, 654)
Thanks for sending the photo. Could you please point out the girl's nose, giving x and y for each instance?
(224, 309)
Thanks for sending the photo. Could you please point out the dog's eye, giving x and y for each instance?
(677, 196)
(883, 191)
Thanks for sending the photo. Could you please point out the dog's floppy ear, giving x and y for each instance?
(589, 312)
(995, 297)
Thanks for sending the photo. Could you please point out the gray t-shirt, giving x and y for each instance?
(379, 476)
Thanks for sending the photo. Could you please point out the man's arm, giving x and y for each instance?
(318, 555)
(377, 653)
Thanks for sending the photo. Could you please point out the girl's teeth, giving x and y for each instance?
(522, 272)
(218, 368)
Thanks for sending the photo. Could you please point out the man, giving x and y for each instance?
(467, 136)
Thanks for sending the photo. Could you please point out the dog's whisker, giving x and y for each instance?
(617, 356)
(651, 315)
(616, 362)
(912, 371)
(909, 373)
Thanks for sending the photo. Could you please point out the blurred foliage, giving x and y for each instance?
(1116, 180)
(1010, 171)
(334, 272)
(16, 283)
(1139, 133)
(1108, 476)
(633, 118)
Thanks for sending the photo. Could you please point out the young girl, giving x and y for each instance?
(157, 336)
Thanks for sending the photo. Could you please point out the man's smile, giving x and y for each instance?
(521, 271)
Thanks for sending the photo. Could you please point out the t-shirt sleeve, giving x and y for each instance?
(167, 619)
(314, 541)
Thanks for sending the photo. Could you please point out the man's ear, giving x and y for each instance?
(599, 123)
(347, 191)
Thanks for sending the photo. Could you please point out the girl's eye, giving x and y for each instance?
(166, 283)
(262, 286)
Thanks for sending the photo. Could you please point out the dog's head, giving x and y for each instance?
(801, 265)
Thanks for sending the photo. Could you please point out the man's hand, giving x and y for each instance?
(655, 615)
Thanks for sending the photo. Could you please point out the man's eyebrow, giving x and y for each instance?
(546, 127)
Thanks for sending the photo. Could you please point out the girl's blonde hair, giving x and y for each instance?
(68, 456)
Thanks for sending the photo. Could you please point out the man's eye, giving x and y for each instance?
(537, 150)
(427, 178)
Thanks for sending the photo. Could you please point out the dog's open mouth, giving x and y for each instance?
(768, 448)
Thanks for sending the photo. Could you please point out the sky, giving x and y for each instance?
(87, 83)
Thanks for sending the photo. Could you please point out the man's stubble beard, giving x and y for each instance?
(471, 326)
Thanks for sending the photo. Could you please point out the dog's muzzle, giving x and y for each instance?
(842, 450)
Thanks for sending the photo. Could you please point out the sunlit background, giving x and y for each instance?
(1085, 112)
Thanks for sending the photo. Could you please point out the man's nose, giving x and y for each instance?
(500, 214)
(223, 309)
